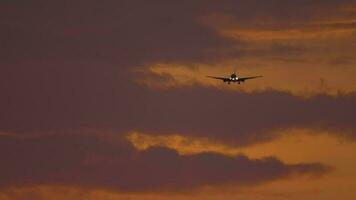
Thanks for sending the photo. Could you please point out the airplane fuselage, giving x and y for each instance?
(233, 78)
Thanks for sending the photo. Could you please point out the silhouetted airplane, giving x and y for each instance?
(234, 78)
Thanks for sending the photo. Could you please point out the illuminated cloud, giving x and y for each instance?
(315, 147)
(304, 77)
(295, 146)
(88, 161)
(74, 65)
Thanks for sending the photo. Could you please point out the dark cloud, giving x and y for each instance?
(88, 161)
(341, 61)
(242, 118)
(230, 116)
(129, 33)
(341, 25)
(67, 65)
(70, 65)
(62, 60)
(279, 14)
(126, 33)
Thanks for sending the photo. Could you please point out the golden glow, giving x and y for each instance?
(312, 58)
(286, 147)
(304, 58)
(293, 146)
(183, 145)
(302, 145)
(301, 79)
(291, 34)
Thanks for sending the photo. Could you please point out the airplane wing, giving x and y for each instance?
(250, 77)
(220, 78)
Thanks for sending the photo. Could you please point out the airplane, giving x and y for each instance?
(234, 78)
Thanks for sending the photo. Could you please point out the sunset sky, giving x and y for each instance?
(109, 100)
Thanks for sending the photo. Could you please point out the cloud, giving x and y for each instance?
(229, 116)
(88, 161)
(70, 65)
(341, 61)
(75, 48)
(127, 33)
(131, 33)
(277, 14)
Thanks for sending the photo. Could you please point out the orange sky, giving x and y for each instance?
(303, 57)
(111, 101)
(308, 74)
(293, 147)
